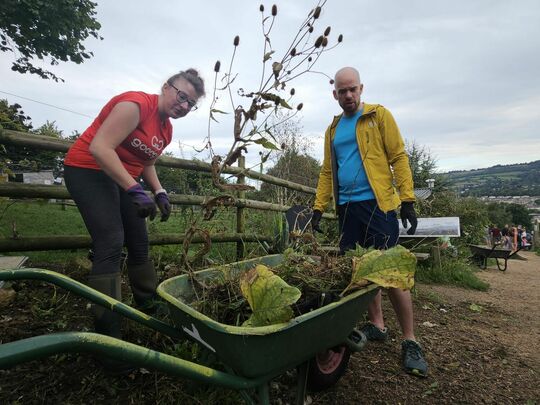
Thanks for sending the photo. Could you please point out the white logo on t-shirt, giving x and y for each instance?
(138, 144)
(158, 144)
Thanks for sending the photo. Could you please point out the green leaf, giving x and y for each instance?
(275, 98)
(215, 110)
(268, 296)
(392, 268)
(476, 308)
(284, 104)
(265, 143)
(267, 56)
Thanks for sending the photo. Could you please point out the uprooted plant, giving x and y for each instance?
(272, 94)
(263, 296)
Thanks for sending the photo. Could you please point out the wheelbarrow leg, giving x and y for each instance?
(484, 263)
(263, 394)
(302, 383)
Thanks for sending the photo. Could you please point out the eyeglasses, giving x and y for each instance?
(182, 97)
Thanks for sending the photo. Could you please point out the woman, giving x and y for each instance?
(102, 169)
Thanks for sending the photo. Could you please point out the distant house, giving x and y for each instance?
(422, 193)
(41, 177)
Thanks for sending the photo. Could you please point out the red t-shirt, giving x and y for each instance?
(145, 143)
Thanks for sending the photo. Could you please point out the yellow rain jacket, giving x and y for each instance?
(383, 155)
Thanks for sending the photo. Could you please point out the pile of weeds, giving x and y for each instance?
(321, 282)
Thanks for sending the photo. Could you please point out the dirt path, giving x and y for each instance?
(482, 347)
(516, 293)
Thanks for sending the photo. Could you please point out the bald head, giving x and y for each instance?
(347, 90)
(346, 74)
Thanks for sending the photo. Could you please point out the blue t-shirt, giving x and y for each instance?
(352, 179)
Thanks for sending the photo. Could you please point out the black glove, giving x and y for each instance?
(162, 201)
(407, 214)
(145, 205)
(315, 219)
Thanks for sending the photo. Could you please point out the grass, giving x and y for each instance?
(453, 271)
(28, 218)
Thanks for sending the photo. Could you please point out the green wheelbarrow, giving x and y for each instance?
(317, 343)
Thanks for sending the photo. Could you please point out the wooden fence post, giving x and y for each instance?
(240, 217)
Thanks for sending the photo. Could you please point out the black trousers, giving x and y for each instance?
(110, 217)
(365, 224)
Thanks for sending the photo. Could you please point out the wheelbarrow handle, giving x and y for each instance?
(37, 347)
(95, 296)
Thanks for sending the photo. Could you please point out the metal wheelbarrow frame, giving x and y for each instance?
(252, 356)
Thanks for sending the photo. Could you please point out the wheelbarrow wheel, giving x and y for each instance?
(327, 367)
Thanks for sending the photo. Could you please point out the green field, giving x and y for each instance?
(20, 219)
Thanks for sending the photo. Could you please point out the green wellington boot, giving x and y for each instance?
(107, 322)
(143, 280)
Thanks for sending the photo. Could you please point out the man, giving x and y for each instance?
(364, 156)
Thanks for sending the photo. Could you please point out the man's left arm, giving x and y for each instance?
(397, 157)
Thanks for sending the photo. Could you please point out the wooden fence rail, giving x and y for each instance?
(61, 145)
(19, 190)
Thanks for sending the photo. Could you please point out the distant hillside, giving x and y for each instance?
(500, 180)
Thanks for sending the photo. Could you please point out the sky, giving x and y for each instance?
(460, 77)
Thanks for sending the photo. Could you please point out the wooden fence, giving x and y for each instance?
(19, 190)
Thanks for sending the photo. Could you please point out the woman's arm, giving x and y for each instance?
(150, 177)
(122, 120)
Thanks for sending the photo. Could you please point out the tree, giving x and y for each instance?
(422, 163)
(520, 215)
(25, 157)
(295, 167)
(292, 162)
(40, 29)
(13, 117)
(182, 181)
(498, 214)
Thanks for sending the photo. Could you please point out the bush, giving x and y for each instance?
(472, 213)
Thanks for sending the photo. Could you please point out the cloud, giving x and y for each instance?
(461, 78)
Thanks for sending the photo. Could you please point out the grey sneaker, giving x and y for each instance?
(373, 333)
(413, 358)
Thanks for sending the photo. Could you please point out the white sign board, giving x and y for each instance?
(433, 228)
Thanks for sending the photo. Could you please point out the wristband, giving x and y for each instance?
(160, 190)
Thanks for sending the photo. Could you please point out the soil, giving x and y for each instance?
(482, 347)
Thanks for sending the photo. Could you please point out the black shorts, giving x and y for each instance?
(365, 224)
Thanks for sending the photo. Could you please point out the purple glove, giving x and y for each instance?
(162, 201)
(145, 205)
